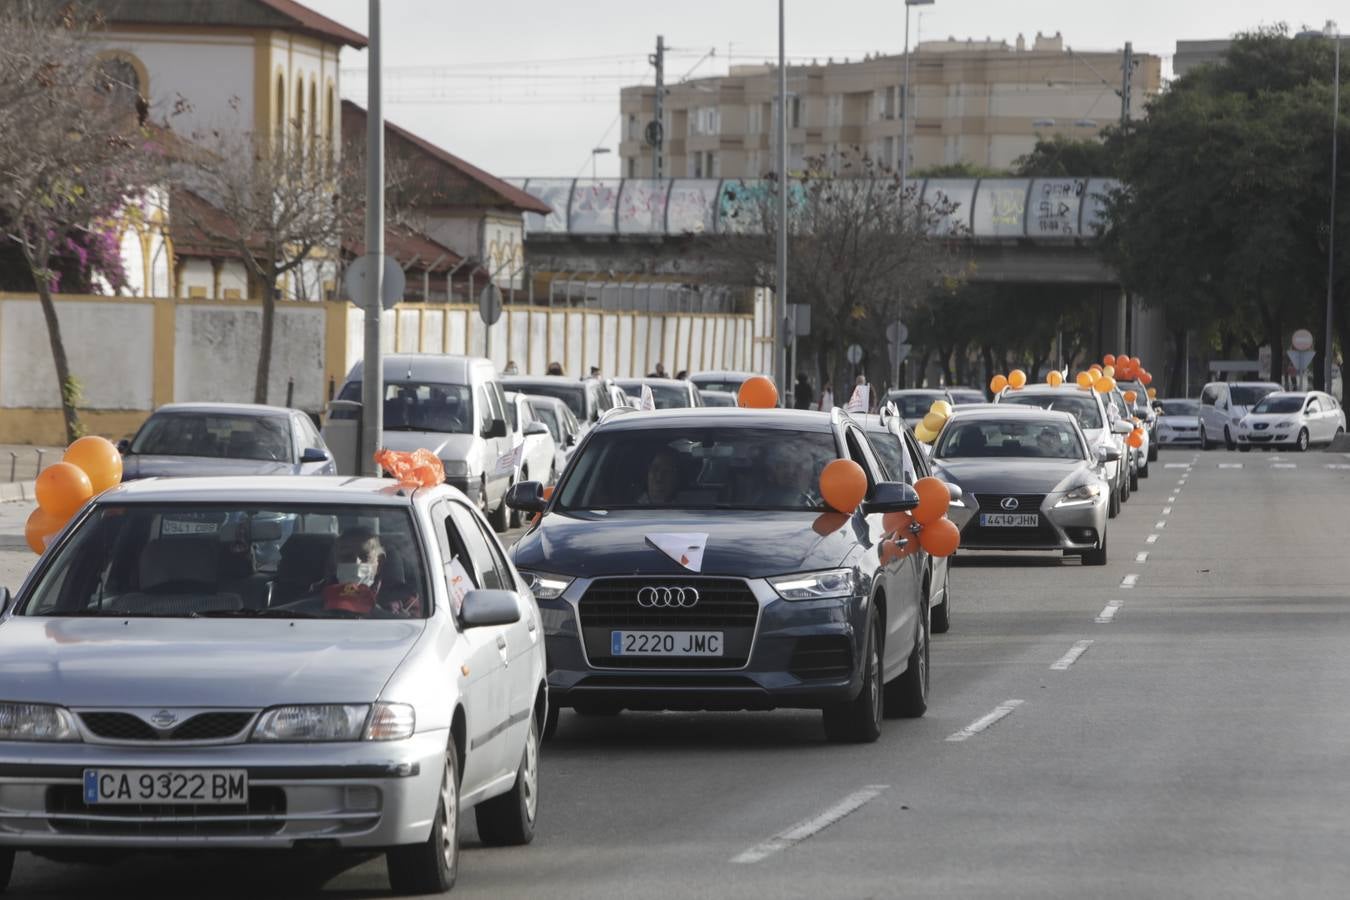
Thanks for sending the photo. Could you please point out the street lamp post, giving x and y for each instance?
(780, 358)
(596, 151)
(904, 116)
(1330, 31)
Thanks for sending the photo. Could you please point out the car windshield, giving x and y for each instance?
(914, 406)
(963, 396)
(1180, 407)
(545, 414)
(1279, 405)
(726, 385)
(1248, 394)
(699, 468)
(216, 435)
(717, 398)
(1021, 437)
(421, 406)
(573, 393)
(667, 396)
(1083, 406)
(287, 561)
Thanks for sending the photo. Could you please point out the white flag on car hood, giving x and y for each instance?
(685, 549)
(648, 402)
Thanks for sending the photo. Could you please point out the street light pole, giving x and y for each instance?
(1331, 216)
(372, 369)
(780, 360)
(596, 151)
(904, 115)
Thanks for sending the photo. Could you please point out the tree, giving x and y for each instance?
(857, 244)
(1065, 157)
(73, 149)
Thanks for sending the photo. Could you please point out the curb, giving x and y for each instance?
(16, 491)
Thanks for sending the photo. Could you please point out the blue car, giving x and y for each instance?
(687, 560)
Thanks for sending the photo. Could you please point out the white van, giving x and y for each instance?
(1222, 406)
(453, 406)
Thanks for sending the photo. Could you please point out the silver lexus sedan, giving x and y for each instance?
(164, 686)
(1030, 481)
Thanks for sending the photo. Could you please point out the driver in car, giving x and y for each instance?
(663, 479)
(357, 581)
(785, 481)
(1048, 442)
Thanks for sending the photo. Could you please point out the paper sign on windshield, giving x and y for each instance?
(685, 549)
(648, 401)
(458, 582)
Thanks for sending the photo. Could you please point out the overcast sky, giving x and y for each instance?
(529, 87)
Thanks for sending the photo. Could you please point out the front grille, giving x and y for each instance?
(208, 726)
(722, 603)
(1261, 438)
(165, 820)
(822, 656)
(1026, 503)
(726, 605)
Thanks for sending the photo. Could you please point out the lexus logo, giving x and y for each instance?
(164, 719)
(667, 597)
(1008, 503)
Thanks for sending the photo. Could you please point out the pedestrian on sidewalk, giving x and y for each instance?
(802, 393)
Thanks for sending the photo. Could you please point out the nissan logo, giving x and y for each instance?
(667, 597)
(163, 719)
(1009, 503)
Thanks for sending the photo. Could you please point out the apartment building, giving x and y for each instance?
(982, 102)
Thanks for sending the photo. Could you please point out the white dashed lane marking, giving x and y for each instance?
(1167, 510)
(1129, 581)
(1151, 539)
(1003, 710)
(1108, 612)
(1071, 657)
(1141, 556)
(1176, 465)
(1284, 465)
(804, 829)
(1230, 465)
(1159, 524)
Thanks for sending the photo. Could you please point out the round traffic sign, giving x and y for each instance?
(391, 285)
(1301, 339)
(854, 354)
(490, 303)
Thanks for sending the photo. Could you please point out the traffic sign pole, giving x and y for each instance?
(372, 372)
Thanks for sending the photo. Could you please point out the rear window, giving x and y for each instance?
(915, 406)
(699, 468)
(573, 393)
(1248, 394)
(1083, 406)
(666, 396)
(730, 385)
(1028, 438)
(255, 560)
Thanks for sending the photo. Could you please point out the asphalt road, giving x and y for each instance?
(1171, 725)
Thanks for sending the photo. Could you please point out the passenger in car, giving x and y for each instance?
(663, 479)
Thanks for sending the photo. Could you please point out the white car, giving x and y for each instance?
(564, 427)
(534, 445)
(1178, 421)
(1222, 406)
(1291, 419)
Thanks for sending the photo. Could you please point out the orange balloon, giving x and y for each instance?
(1109, 371)
(843, 484)
(40, 527)
(1131, 396)
(1146, 378)
(1136, 439)
(941, 538)
(1095, 368)
(62, 488)
(757, 392)
(1054, 379)
(934, 498)
(1153, 393)
(1017, 379)
(1104, 385)
(998, 383)
(100, 460)
(1085, 380)
(1109, 359)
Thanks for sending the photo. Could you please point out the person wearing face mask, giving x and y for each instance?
(360, 582)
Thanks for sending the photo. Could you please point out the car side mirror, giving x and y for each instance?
(526, 496)
(495, 429)
(314, 455)
(1122, 428)
(536, 428)
(124, 446)
(1108, 454)
(891, 496)
(954, 491)
(483, 608)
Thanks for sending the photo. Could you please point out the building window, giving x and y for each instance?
(280, 128)
(796, 106)
(329, 124)
(299, 121)
(313, 115)
(705, 120)
(120, 77)
(632, 167)
(634, 132)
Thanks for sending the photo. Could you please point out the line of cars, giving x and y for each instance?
(1247, 415)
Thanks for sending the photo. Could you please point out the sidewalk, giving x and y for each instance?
(15, 557)
(20, 462)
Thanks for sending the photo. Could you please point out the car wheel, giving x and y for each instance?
(515, 514)
(499, 517)
(1244, 448)
(1097, 555)
(1152, 452)
(596, 710)
(431, 866)
(1125, 489)
(550, 723)
(1228, 439)
(508, 819)
(1301, 445)
(1204, 439)
(1113, 505)
(858, 721)
(907, 696)
(1134, 480)
(942, 613)
(6, 866)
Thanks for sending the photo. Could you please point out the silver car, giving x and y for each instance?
(194, 439)
(1030, 479)
(164, 691)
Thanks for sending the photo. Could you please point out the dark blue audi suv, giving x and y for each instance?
(687, 560)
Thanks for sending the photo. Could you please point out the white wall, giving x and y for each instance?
(216, 354)
(196, 273)
(109, 346)
(210, 71)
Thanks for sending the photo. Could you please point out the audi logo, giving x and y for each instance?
(1009, 503)
(667, 597)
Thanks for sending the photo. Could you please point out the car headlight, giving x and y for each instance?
(455, 468)
(815, 585)
(1285, 424)
(37, 722)
(1084, 493)
(546, 587)
(325, 722)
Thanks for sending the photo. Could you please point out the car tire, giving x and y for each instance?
(6, 866)
(499, 518)
(942, 613)
(1204, 439)
(858, 721)
(1152, 451)
(1228, 442)
(515, 519)
(1125, 489)
(1303, 442)
(907, 696)
(1096, 556)
(550, 723)
(431, 866)
(1113, 505)
(1134, 480)
(596, 710)
(508, 819)
(1244, 448)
